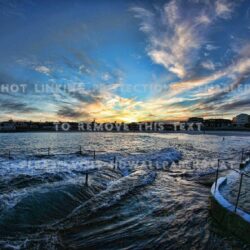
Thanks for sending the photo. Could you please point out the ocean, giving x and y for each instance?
(143, 190)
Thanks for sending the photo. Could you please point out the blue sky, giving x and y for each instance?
(124, 60)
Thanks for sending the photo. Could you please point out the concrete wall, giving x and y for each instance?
(236, 223)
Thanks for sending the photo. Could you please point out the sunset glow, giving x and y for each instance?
(131, 61)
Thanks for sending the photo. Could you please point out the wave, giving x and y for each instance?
(109, 197)
(156, 160)
(36, 215)
(38, 203)
(30, 208)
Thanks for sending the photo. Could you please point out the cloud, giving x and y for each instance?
(32, 62)
(84, 70)
(68, 112)
(79, 61)
(174, 36)
(172, 12)
(101, 103)
(203, 19)
(237, 71)
(223, 85)
(147, 16)
(236, 105)
(207, 93)
(13, 106)
(209, 65)
(179, 87)
(224, 92)
(43, 69)
(106, 76)
(84, 96)
(243, 49)
(211, 47)
(224, 8)
(171, 38)
(176, 31)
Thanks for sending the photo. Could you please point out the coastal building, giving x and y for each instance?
(195, 119)
(134, 126)
(49, 126)
(241, 120)
(34, 125)
(217, 123)
(22, 126)
(7, 126)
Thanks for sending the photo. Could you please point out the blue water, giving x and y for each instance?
(150, 197)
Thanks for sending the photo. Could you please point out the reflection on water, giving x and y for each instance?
(150, 199)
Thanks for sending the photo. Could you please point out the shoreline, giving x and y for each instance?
(208, 132)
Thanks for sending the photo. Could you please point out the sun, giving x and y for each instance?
(129, 119)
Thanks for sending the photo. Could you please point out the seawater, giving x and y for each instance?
(150, 197)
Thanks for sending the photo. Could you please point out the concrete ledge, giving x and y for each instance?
(224, 212)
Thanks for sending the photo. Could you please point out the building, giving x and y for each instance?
(22, 126)
(241, 120)
(48, 126)
(8, 126)
(217, 123)
(196, 119)
(134, 126)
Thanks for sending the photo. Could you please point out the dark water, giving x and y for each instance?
(152, 199)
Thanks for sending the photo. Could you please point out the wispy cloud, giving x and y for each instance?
(173, 38)
(70, 113)
(238, 69)
(211, 47)
(239, 104)
(224, 8)
(12, 106)
(43, 69)
(208, 64)
(176, 37)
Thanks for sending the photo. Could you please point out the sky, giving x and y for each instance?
(124, 60)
